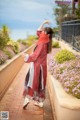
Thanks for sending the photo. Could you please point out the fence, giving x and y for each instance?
(71, 33)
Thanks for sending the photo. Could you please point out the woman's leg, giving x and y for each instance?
(28, 96)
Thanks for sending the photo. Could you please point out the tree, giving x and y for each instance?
(5, 31)
(78, 12)
(61, 11)
(4, 36)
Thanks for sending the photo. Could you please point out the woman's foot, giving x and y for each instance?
(26, 102)
(40, 104)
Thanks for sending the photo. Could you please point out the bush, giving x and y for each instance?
(64, 55)
(8, 53)
(3, 40)
(55, 44)
(4, 36)
(31, 39)
(16, 47)
(24, 42)
(68, 74)
(2, 60)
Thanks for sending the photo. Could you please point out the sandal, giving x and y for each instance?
(40, 104)
(26, 102)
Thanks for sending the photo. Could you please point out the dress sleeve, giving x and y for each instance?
(36, 54)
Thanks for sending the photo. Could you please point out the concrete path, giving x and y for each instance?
(12, 101)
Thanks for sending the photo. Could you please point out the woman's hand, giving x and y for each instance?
(46, 22)
(23, 55)
(42, 25)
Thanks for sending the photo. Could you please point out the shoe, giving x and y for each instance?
(26, 102)
(40, 104)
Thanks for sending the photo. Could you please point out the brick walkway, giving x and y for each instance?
(12, 101)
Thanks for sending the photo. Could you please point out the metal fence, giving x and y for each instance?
(71, 33)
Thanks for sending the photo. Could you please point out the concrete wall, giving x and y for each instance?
(9, 70)
(66, 106)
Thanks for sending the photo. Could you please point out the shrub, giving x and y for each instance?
(64, 55)
(55, 44)
(24, 42)
(16, 47)
(31, 40)
(68, 74)
(4, 36)
(3, 40)
(8, 53)
(2, 60)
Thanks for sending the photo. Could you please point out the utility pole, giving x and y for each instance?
(73, 6)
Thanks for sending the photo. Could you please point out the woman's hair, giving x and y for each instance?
(50, 32)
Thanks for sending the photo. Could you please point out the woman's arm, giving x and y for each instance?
(41, 26)
(33, 57)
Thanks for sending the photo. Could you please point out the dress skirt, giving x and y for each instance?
(29, 91)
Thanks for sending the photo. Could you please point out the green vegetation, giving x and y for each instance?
(61, 11)
(8, 53)
(15, 46)
(4, 36)
(55, 44)
(31, 39)
(2, 60)
(68, 74)
(24, 42)
(56, 30)
(62, 69)
(66, 12)
(9, 47)
(64, 55)
(78, 12)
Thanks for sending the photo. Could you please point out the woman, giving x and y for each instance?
(35, 81)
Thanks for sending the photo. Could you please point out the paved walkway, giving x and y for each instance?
(12, 101)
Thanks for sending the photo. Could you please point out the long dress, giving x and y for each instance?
(35, 81)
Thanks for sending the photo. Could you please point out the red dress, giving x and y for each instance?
(35, 80)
